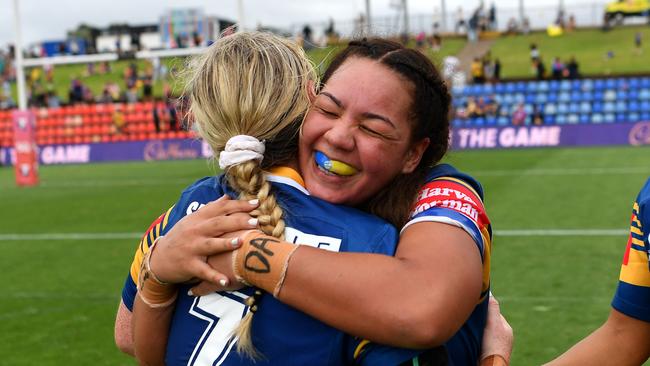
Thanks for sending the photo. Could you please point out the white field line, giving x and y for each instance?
(117, 236)
(561, 171)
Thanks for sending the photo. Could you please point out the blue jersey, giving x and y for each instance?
(633, 293)
(453, 198)
(201, 327)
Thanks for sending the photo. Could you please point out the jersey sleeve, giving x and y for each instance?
(366, 353)
(452, 201)
(632, 296)
(155, 230)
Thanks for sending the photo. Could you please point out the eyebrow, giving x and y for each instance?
(368, 115)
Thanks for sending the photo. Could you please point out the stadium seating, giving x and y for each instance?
(607, 100)
(92, 123)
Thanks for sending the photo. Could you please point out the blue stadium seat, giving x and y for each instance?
(560, 119)
(598, 107)
(562, 108)
(550, 109)
(530, 98)
(609, 117)
(609, 107)
(541, 98)
(622, 84)
(528, 108)
(596, 118)
(574, 108)
(644, 94)
(565, 85)
(487, 89)
(599, 84)
(599, 95)
(520, 98)
(490, 121)
(633, 94)
(585, 118)
(645, 106)
(621, 95)
(500, 88)
(633, 106)
(634, 83)
(576, 96)
(610, 83)
(587, 85)
(645, 116)
(564, 97)
(585, 107)
(587, 96)
(645, 82)
(610, 95)
(457, 122)
(573, 119)
(520, 86)
(503, 121)
(621, 106)
(575, 85)
(549, 119)
(508, 99)
(510, 88)
(542, 86)
(621, 117)
(531, 87)
(554, 85)
(633, 117)
(478, 121)
(552, 97)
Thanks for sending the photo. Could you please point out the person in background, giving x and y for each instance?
(540, 69)
(557, 69)
(624, 338)
(519, 115)
(478, 73)
(572, 68)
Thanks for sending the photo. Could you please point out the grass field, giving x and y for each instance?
(59, 296)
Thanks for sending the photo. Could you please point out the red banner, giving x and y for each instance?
(26, 165)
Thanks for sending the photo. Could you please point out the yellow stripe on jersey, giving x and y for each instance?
(636, 230)
(145, 243)
(487, 254)
(636, 271)
(637, 241)
(636, 221)
(359, 348)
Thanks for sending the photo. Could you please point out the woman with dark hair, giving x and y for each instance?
(381, 106)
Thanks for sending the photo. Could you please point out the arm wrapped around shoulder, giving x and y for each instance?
(262, 261)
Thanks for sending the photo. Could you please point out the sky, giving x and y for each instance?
(50, 19)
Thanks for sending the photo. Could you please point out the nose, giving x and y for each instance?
(340, 135)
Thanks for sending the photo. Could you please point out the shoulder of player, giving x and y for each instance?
(449, 172)
(195, 196)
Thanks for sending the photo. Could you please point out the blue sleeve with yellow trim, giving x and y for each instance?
(632, 296)
(193, 198)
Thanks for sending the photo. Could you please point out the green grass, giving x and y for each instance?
(588, 46)
(59, 297)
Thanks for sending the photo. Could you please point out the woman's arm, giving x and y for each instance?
(621, 341)
(123, 334)
(150, 332)
(417, 299)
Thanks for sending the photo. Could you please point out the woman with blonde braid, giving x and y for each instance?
(248, 93)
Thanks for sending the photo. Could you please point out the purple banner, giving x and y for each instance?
(116, 151)
(545, 136)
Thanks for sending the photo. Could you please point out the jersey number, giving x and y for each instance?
(223, 312)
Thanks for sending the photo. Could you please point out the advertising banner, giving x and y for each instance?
(25, 148)
(551, 136)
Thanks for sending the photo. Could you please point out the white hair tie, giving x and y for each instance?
(239, 149)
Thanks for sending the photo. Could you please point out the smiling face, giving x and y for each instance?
(360, 118)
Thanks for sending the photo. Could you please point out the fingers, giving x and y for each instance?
(209, 274)
(226, 206)
(217, 226)
(204, 288)
(213, 246)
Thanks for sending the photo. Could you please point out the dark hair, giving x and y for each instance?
(429, 116)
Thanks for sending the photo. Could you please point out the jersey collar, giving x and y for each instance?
(288, 176)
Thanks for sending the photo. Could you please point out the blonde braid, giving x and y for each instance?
(254, 84)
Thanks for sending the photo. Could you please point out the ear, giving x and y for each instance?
(311, 91)
(414, 155)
